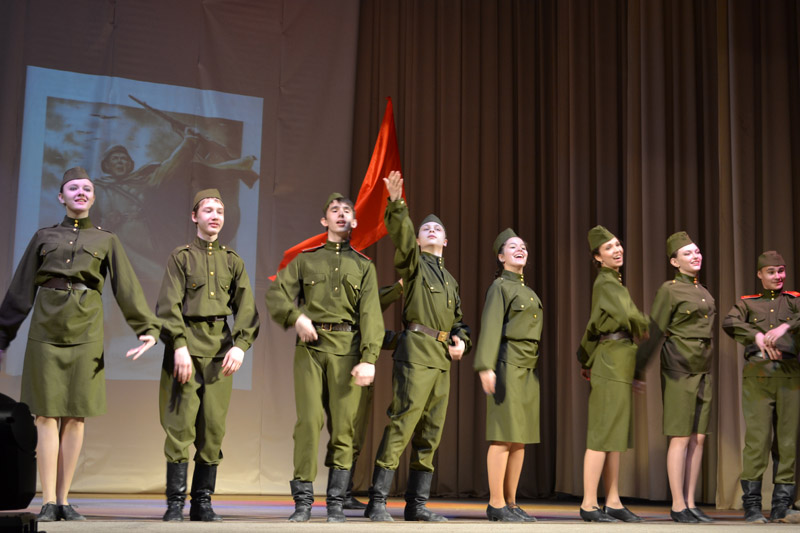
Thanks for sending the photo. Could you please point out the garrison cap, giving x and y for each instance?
(432, 218)
(770, 258)
(501, 239)
(676, 241)
(74, 173)
(205, 193)
(331, 198)
(599, 235)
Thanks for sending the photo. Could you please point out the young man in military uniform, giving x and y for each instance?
(339, 333)
(434, 336)
(204, 283)
(768, 325)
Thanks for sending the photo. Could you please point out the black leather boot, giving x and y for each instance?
(303, 494)
(751, 501)
(350, 502)
(337, 486)
(417, 494)
(378, 492)
(176, 491)
(782, 498)
(204, 480)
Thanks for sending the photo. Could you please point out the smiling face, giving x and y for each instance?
(772, 277)
(688, 260)
(340, 220)
(610, 254)
(514, 255)
(78, 197)
(209, 217)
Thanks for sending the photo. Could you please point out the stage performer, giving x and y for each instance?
(204, 283)
(607, 355)
(339, 333)
(506, 356)
(434, 336)
(768, 325)
(61, 276)
(682, 317)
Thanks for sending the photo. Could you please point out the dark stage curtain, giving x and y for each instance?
(552, 116)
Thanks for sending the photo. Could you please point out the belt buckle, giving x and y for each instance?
(69, 284)
(326, 327)
(441, 336)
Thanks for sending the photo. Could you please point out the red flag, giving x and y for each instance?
(372, 197)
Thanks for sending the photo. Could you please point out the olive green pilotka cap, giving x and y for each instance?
(676, 241)
(331, 198)
(599, 235)
(770, 258)
(75, 173)
(502, 238)
(205, 193)
(432, 218)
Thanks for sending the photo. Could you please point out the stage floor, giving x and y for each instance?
(142, 513)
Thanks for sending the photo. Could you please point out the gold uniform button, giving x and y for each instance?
(449, 302)
(704, 299)
(706, 316)
(534, 316)
(522, 306)
(771, 310)
(212, 272)
(313, 282)
(95, 253)
(355, 286)
(68, 260)
(70, 242)
(194, 284)
(336, 288)
(209, 253)
(688, 312)
(212, 293)
(336, 269)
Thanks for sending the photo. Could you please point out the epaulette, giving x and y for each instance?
(361, 254)
(102, 229)
(229, 250)
(312, 249)
(794, 294)
(750, 296)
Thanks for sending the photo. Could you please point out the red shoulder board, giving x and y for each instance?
(313, 248)
(751, 296)
(792, 293)
(369, 259)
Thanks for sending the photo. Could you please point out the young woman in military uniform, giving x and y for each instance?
(607, 356)
(61, 276)
(683, 312)
(508, 349)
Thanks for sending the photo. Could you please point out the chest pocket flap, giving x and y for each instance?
(313, 279)
(48, 247)
(95, 251)
(195, 282)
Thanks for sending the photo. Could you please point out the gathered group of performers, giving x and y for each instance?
(329, 294)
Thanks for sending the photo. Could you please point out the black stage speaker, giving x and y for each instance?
(17, 455)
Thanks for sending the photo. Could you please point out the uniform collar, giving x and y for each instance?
(80, 223)
(207, 245)
(512, 276)
(611, 272)
(433, 258)
(680, 276)
(770, 294)
(337, 246)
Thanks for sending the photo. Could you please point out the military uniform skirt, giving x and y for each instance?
(687, 403)
(610, 424)
(60, 381)
(512, 413)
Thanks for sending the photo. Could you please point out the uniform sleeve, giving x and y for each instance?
(169, 307)
(617, 304)
(794, 319)
(460, 329)
(737, 324)
(660, 317)
(20, 296)
(401, 231)
(370, 317)
(243, 304)
(494, 311)
(390, 294)
(128, 292)
(282, 294)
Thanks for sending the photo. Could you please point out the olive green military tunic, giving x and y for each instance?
(335, 285)
(770, 389)
(511, 327)
(683, 317)
(204, 283)
(612, 362)
(63, 373)
(421, 369)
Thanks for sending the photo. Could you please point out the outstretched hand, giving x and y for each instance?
(394, 184)
(147, 342)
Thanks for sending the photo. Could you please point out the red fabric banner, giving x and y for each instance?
(372, 197)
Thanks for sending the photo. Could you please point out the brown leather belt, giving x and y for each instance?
(64, 284)
(441, 336)
(616, 336)
(328, 326)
